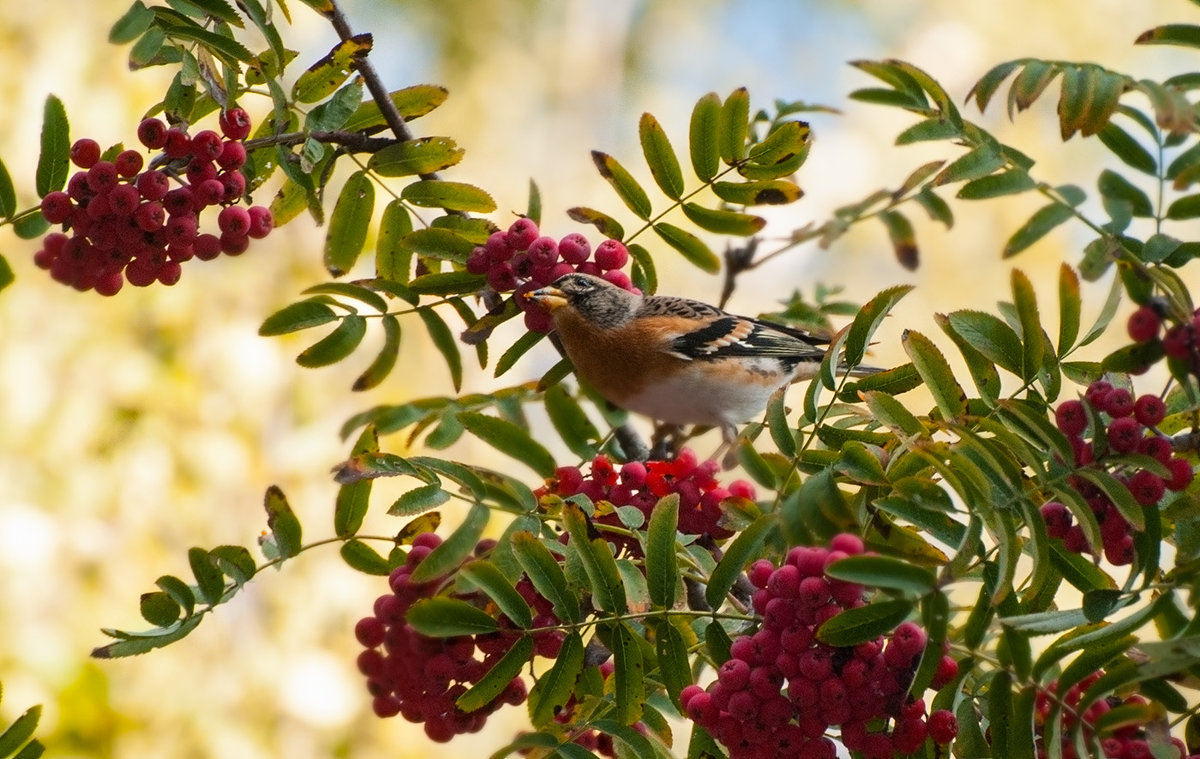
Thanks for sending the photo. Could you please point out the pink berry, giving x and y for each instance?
(261, 221)
(574, 248)
(56, 207)
(618, 278)
(128, 163)
(611, 254)
(521, 234)
(102, 176)
(1058, 519)
(543, 251)
(233, 184)
(234, 220)
(232, 155)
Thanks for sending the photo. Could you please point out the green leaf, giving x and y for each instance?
(554, 688)
(332, 114)
(692, 247)
(628, 674)
(157, 608)
(884, 572)
(733, 126)
(1124, 146)
(487, 577)
(297, 316)
(8, 196)
(608, 594)
(854, 626)
(1069, 305)
(1039, 225)
(358, 555)
(974, 164)
(740, 552)
(534, 210)
(385, 360)
(1183, 35)
(282, 523)
(787, 141)
(393, 259)
(1088, 99)
(572, 424)
(349, 223)
(1031, 327)
(412, 103)
(443, 340)
(660, 156)
(934, 369)
(1187, 207)
(523, 345)
(178, 590)
(1113, 185)
(442, 617)
(20, 731)
(322, 78)
(662, 565)
(177, 26)
(446, 557)
(419, 156)
(724, 222)
(335, 346)
(419, 500)
(140, 643)
(933, 204)
(767, 192)
(209, 581)
(53, 160)
(447, 283)
(452, 196)
(673, 661)
(1010, 182)
(353, 498)
(703, 136)
(491, 685)
(627, 188)
(892, 414)
(986, 87)
(131, 25)
(546, 575)
(605, 224)
(982, 369)
(510, 439)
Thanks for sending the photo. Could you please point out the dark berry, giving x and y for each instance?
(152, 133)
(1149, 410)
(85, 152)
(1178, 342)
(1147, 488)
(1124, 434)
(1057, 517)
(1144, 325)
(57, 207)
(128, 163)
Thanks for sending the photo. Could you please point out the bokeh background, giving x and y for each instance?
(132, 428)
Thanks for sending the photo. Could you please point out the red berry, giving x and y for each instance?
(234, 245)
(1119, 403)
(502, 278)
(177, 143)
(1057, 517)
(128, 163)
(261, 221)
(1147, 488)
(1124, 434)
(169, 273)
(110, 283)
(543, 251)
(102, 176)
(618, 278)
(123, 199)
(1144, 325)
(1071, 418)
(234, 185)
(942, 726)
(180, 229)
(611, 254)
(477, 261)
(1178, 342)
(152, 133)
(207, 145)
(1096, 394)
(57, 207)
(370, 631)
(537, 320)
(200, 169)
(153, 185)
(1181, 474)
(1149, 410)
(85, 152)
(178, 201)
(235, 124)
(234, 220)
(206, 247)
(232, 155)
(209, 192)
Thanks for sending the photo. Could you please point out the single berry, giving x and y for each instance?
(1124, 434)
(206, 247)
(234, 245)
(207, 145)
(1149, 410)
(1144, 325)
(235, 124)
(611, 254)
(234, 220)
(152, 133)
(1096, 394)
(153, 185)
(234, 185)
(169, 273)
(209, 192)
(1181, 474)
(1120, 403)
(1147, 487)
(574, 248)
(618, 278)
(102, 176)
(543, 251)
(177, 143)
(521, 234)
(261, 221)
(1057, 517)
(123, 199)
(232, 155)
(477, 261)
(942, 726)
(56, 207)
(85, 152)
(1178, 341)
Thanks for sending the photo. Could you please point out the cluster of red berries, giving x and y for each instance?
(782, 690)
(1128, 430)
(128, 224)
(421, 677)
(522, 259)
(1127, 741)
(642, 484)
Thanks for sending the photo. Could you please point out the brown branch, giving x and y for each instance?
(356, 141)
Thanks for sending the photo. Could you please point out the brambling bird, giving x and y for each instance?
(676, 360)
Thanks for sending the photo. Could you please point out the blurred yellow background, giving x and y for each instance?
(132, 428)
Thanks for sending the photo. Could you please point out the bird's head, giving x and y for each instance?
(596, 299)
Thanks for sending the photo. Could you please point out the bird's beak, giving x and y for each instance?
(548, 297)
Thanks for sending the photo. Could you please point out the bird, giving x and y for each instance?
(673, 359)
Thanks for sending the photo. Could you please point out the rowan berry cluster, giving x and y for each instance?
(782, 690)
(421, 677)
(522, 260)
(1119, 425)
(122, 223)
(641, 485)
(1126, 741)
